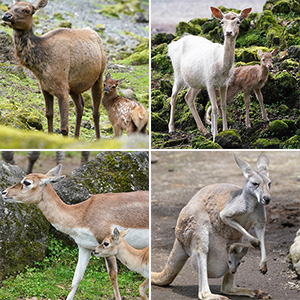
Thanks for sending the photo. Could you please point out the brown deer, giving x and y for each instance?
(124, 114)
(248, 79)
(65, 61)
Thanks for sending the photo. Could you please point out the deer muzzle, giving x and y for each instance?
(7, 17)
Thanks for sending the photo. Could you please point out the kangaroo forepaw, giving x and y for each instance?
(255, 243)
(259, 294)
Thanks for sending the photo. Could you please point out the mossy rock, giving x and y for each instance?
(289, 65)
(65, 24)
(160, 61)
(292, 127)
(229, 139)
(157, 123)
(161, 38)
(292, 143)
(282, 7)
(276, 128)
(249, 54)
(139, 57)
(266, 20)
(201, 142)
(283, 109)
(273, 143)
(189, 28)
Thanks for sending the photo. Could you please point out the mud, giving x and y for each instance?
(177, 176)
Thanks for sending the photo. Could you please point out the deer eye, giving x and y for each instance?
(222, 22)
(26, 183)
(106, 244)
(27, 11)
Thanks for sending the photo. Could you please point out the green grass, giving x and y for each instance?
(51, 279)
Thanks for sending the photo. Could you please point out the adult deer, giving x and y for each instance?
(65, 61)
(200, 64)
(218, 214)
(87, 222)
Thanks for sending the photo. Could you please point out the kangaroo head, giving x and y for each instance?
(236, 252)
(257, 182)
(231, 21)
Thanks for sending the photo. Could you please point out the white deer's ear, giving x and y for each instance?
(244, 166)
(244, 13)
(39, 4)
(263, 164)
(45, 181)
(55, 171)
(217, 13)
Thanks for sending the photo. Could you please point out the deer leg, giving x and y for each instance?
(175, 90)
(32, 157)
(229, 288)
(213, 100)
(260, 233)
(260, 99)
(190, 100)
(223, 91)
(83, 260)
(63, 103)
(118, 130)
(175, 263)
(143, 288)
(97, 97)
(247, 105)
(111, 266)
(79, 105)
(49, 109)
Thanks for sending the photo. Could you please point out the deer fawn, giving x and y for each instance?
(87, 222)
(123, 113)
(133, 259)
(198, 63)
(248, 79)
(218, 214)
(65, 62)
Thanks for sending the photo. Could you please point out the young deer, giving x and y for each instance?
(248, 79)
(123, 113)
(133, 259)
(65, 61)
(87, 222)
(218, 214)
(201, 64)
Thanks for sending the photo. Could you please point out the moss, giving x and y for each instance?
(249, 54)
(139, 57)
(283, 7)
(191, 28)
(272, 143)
(161, 38)
(157, 123)
(292, 143)
(100, 27)
(276, 128)
(229, 139)
(289, 65)
(201, 142)
(283, 109)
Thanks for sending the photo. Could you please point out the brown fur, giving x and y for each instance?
(124, 114)
(65, 61)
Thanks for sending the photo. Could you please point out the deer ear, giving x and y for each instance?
(217, 13)
(45, 181)
(55, 171)
(124, 232)
(39, 4)
(263, 164)
(116, 234)
(274, 52)
(244, 166)
(244, 13)
(259, 53)
(107, 76)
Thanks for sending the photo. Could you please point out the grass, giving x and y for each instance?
(51, 279)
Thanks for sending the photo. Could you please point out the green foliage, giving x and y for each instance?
(52, 278)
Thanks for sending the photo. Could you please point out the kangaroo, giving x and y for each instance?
(123, 113)
(235, 252)
(135, 260)
(218, 214)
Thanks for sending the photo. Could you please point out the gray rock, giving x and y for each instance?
(7, 48)
(23, 228)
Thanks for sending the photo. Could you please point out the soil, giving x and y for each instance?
(178, 175)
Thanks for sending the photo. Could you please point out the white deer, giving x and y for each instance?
(200, 64)
(218, 214)
(87, 222)
(248, 79)
(134, 259)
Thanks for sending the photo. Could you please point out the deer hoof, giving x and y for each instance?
(255, 243)
(263, 269)
(259, 294)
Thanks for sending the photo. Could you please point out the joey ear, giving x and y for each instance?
(55, 171)
(45, 181)
(217, 13)
(39, 4)
(244, 13)
(263, 164)
(244, 250)
(274, 52)
(244, 166)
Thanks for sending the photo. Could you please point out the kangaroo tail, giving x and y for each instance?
(175, 263)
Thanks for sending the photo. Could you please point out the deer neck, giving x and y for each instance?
(228, 58)
(54, 209)
(264, 72)
(28, 50)
(108, 99)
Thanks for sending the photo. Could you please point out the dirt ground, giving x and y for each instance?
(178, 175)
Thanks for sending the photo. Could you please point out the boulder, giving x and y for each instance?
(23, 228)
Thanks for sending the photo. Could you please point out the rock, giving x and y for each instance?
(201, 142)
(295, 253)
(7, 48)
(229, 139)
(128, 93)
(140, 18)
(23, 228)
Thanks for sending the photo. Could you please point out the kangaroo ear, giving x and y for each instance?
(217, 13)
(245, 167)
(244, 13)
(244, 250)
(263, 164)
